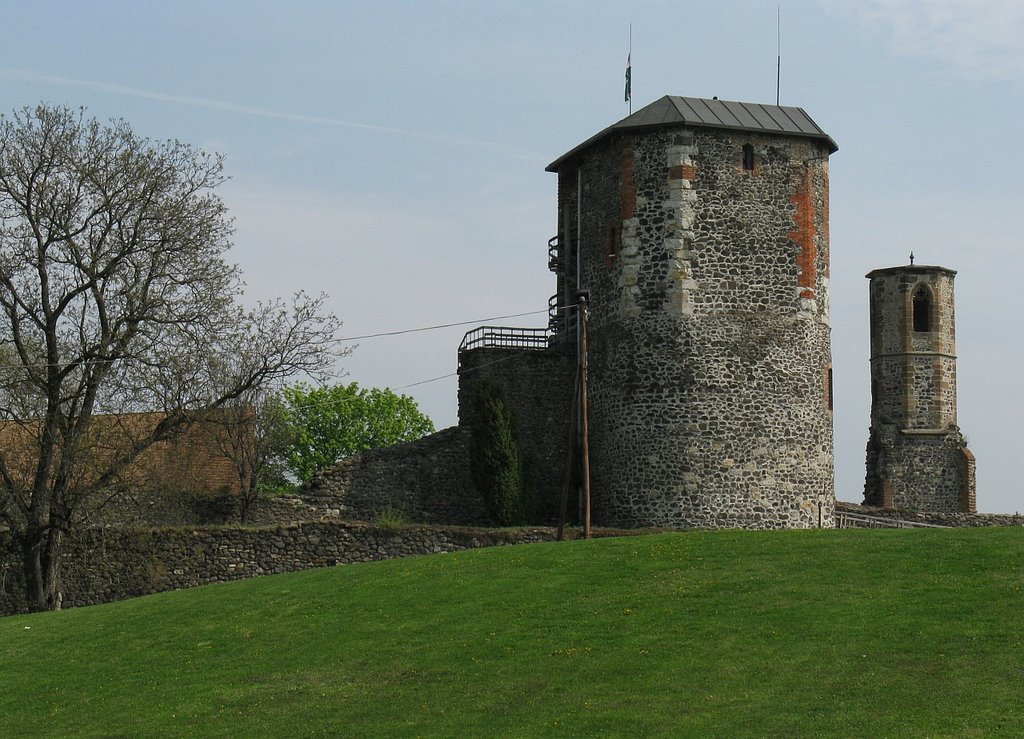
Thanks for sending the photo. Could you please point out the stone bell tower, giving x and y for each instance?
(916, 456)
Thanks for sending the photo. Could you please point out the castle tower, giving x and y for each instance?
(916, 456)
(700, 229)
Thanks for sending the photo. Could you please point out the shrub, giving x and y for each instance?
(500, 470)
(390, 519)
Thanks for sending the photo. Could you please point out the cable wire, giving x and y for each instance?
(442, 325)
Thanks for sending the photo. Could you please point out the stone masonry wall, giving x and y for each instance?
(913, 373)
(922, 472)
(538, 386)
(958, 520)
(427, 480)
(709, 328)
(916, 454)
(105, 565)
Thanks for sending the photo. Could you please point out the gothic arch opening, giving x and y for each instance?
(922, 308)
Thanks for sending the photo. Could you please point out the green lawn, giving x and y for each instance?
(844, 633)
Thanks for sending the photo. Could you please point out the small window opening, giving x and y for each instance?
(611, 247)
(748, 157)
(922, 305)
(829, 402)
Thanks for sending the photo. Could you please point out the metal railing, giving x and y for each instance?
(554, 258)
(555, 319)
(505, 337)
(860, 521)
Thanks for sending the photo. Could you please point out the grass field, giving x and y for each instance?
(844, 633)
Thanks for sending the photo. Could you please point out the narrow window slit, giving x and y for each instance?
(748, 157)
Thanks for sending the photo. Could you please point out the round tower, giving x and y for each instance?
(700, 229)
(916, 456)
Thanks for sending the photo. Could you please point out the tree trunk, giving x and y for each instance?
(41, 552)
(246, 491)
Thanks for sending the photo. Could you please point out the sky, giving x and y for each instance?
(392, 155)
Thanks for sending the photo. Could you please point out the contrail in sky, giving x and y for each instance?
(228, 107)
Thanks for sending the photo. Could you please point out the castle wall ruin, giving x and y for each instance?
(917, 458)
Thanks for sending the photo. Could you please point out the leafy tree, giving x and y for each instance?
(329, 423)
(115, 297)
(502, 472)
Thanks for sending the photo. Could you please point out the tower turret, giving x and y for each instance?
(700, 229)
(916, 456)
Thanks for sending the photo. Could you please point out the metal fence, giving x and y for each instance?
(505, 337)
(860, 521)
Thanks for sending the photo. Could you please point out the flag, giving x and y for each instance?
(629, 75)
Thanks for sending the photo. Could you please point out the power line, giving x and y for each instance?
(442, 325)
(85, 362)
(357, 338)
(453, 374)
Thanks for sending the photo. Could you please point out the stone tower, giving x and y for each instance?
(916, 456)
(700, 229)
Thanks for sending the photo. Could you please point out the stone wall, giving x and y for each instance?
(919, 471)
(913, 373)
(917, 458)
(155, 506)
(953, 520)
(426, 480)
(104, 565)
(709, 338)
(538, 386)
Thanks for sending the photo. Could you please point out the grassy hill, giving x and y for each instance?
(853, 633)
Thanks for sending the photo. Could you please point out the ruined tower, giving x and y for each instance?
(916, 456)
(700, 229)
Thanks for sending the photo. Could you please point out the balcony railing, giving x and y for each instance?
(505, 337)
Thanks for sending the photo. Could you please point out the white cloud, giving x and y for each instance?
(248, 110)
(981, 37)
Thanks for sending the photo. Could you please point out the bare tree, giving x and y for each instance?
(252, 432)
(115, 297)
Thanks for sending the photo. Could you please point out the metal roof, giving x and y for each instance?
(913, 269)
(673, 110)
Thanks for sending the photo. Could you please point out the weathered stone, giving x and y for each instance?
(916, 455)
(710, 337)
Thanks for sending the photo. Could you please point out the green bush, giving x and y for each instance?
(503, 474)
(391, 518)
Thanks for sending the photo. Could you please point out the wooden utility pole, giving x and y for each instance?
(570, 455)
(584, 423)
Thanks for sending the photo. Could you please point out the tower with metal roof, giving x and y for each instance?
(917, 457)
(700, 229)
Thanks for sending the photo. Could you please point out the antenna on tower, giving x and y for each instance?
(778, 49)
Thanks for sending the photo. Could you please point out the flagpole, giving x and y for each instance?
(629, 71)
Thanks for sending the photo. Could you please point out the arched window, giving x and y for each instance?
(748, 157)
(922, 304)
